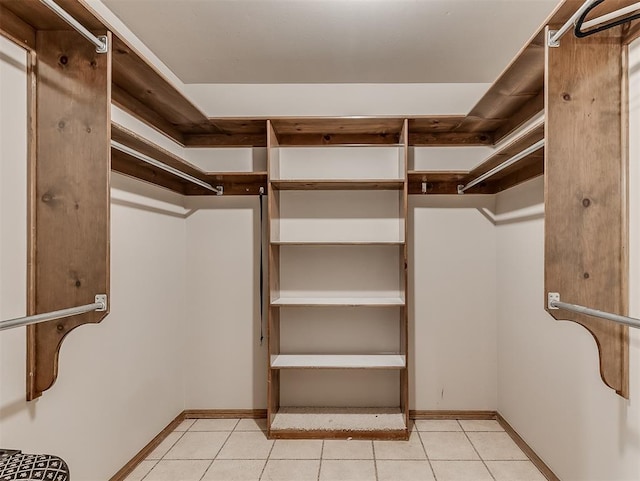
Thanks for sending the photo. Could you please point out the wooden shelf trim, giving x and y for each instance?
(234, 183)
(586, 202)
(338, 361)
(338, 301)
(338, 184)
(439, 182)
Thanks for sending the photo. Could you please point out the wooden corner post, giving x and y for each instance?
(586, 210)
(68, 262)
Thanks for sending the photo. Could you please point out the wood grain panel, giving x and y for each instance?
(585, 192)
(441, 183)
(513, 148)
(137, 142)
(141, 81)
(71, 201)
(529, 168)
(233, 183)
(450, 139)
(339, 139)
(338, 125)
(133, 167)
(529, 110)
(337, 184)
(40, 17)
(146, 114)
(16, 29)
(225, 140)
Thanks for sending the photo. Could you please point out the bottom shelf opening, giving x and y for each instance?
(329, 419)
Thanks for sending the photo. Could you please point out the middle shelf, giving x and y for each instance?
(338, 361)
(338, 301)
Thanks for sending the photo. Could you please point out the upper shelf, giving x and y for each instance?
(142, 90)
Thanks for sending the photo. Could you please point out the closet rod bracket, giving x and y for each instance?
(104, 48)
(551, 42)
(460, 189)
(101, 299)
(552, 298)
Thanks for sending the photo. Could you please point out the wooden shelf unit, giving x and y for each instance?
(327, 261)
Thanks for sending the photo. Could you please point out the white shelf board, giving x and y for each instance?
(338, 243)
(338, 301)
(338, 361)
(338, 419)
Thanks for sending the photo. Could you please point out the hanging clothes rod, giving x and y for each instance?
(556, 35)
(100, 306)
(553, 302)
(611, 16)
(219, 190)
(624, 15)
(101, 42)
(500, 167)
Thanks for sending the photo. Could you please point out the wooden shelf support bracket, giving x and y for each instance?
(69, 194)
(586, 211)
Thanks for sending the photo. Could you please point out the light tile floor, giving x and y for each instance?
(238, 450)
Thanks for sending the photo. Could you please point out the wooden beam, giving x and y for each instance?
(143, 112)
(441, 183)
(338, 139)
(586, 192)
(529, 168)
(225, 140)
(233, 183)
(16, 29)
(71, 199)
(514, 147)
(137, 142)
(133, 75)
(530, 109)
(132, 167)
(450, 139)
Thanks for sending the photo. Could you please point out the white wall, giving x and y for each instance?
(120, 382)
(225, 363)
(452, 276)
(549, 387)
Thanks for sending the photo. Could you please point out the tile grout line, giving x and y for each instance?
(426, 454)
(320, 464)
(222, 446)
(375, 461)
(268, 455)
(156, 461)
(474, 448)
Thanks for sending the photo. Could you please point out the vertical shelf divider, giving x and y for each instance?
(273, 280)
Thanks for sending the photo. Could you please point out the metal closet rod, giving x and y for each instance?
(219, 190)
(613, 15)
(555, 303)
(101, 42)
(556, 35)
(100, 305)
(500, 167)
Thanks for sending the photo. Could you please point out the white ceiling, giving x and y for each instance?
(334, 41)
